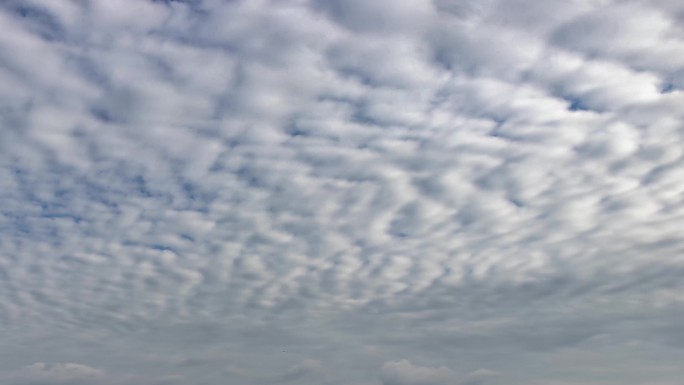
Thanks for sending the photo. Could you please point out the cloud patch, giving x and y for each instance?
(405, 373)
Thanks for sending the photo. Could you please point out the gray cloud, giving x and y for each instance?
(196, 192)
(41, 373)
(63, 373)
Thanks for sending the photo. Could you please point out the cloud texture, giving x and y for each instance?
(341, 192)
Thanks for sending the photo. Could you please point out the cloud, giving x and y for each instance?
(41, 373)
(405, 373)
(306, 368)
(61, 373)
(258, 190)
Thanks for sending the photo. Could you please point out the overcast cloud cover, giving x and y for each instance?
(341, 192)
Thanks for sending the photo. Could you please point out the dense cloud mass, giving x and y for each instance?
(341, 192)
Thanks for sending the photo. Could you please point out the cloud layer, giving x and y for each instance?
(341, 192)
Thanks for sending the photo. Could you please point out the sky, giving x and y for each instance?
(341, 192)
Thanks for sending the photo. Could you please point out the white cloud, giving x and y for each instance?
(41, 373)
(451, 181)
(405, 373)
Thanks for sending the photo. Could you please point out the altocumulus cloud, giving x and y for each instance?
(341, 192)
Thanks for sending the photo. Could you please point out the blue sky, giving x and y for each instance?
(341, 192)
